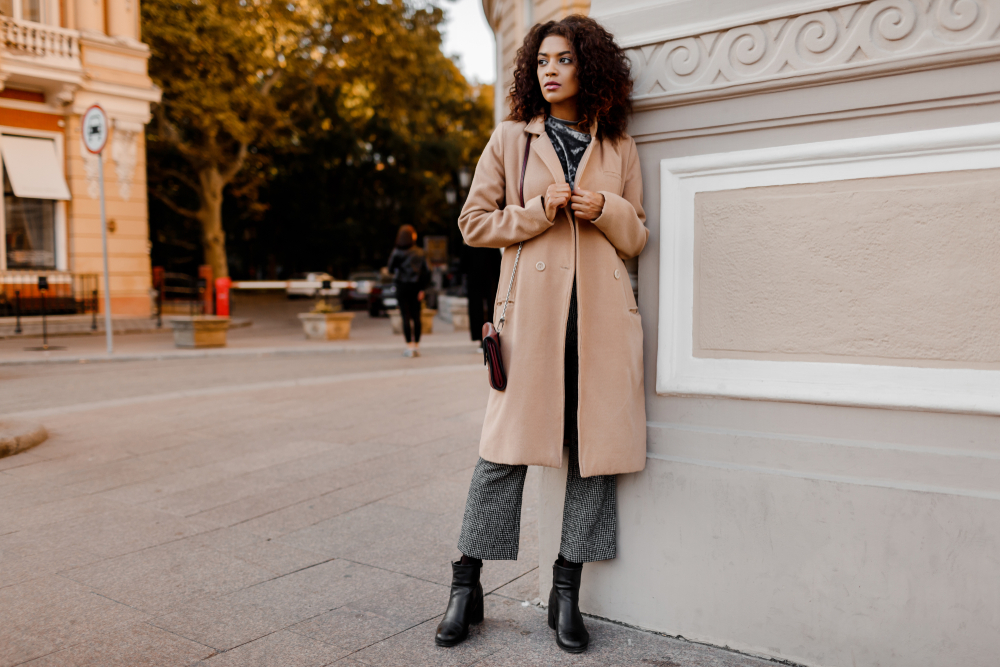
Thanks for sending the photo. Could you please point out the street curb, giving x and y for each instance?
(228, 352)
(17, 436)
(120, 327)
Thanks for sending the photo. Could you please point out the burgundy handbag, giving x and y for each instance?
(491, 335)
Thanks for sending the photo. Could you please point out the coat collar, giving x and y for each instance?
(537, 126)
(548, 154)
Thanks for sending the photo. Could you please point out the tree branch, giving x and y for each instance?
(186, 212)
(170, 133)
(271, 82)
(229, 173)
(183, 178)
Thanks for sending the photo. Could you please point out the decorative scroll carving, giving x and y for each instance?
(90, 169)
(844, 38)
(124, 152)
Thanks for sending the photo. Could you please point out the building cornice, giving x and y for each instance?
(121, 45)
(850, 42)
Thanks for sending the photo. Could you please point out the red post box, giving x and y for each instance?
(222, 296)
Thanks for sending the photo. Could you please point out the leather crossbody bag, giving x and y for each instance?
(491, 335)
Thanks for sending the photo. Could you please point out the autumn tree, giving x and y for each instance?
(245, 81)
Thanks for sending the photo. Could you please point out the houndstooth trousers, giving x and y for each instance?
(492, 525)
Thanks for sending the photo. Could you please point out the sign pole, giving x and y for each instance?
(108, 332)
(95, 138)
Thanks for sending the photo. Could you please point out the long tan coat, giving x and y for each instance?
(524, 424)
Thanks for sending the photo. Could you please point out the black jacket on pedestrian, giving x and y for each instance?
(409, 268)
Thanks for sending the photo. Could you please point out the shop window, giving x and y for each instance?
(29, 229)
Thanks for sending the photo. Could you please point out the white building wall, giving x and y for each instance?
(824, 513)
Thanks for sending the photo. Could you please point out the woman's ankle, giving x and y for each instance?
(568, 564)
(468, 560)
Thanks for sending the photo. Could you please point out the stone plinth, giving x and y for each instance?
(200, 331)
(327, 326)
(426, 321)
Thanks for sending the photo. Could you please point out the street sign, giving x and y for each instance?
(95, 129)
(95, 137)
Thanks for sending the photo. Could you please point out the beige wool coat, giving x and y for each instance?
(524, 424)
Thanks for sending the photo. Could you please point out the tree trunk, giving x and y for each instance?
(213, 237)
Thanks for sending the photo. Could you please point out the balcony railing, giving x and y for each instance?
(37, 39)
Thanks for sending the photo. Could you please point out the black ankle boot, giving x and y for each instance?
(465, 606)
(564, 610)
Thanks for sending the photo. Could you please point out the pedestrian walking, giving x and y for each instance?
(559, 187)
(410, 275)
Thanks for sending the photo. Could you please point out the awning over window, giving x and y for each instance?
(34, 168)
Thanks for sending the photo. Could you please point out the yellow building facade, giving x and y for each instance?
(58, 58)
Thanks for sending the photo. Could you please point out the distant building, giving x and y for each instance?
(820, 299)
(57, 58)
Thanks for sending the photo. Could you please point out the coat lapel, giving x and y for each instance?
(543, 147)
(586, 154)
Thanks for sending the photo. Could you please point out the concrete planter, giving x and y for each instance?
(426, 321)
(396, 320)
(460, 316)
(327, 326)
(200, 331)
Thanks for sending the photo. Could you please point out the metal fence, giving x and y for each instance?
(179, 293)
(67, 293)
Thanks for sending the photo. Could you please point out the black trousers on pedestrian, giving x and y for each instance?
(491, 528)
(482, 267)
(409, 308)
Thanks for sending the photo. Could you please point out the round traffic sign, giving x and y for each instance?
(95, 129)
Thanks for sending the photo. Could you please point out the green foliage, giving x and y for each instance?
(327, 122)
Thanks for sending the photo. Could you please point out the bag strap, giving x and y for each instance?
(520, 192)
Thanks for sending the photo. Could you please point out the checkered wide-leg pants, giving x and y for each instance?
(491, 528)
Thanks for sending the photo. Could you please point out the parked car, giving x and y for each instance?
(381, 299)
(309, 285)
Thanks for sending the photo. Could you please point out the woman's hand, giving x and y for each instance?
(587, 205)
(420, 296)
(556, 197)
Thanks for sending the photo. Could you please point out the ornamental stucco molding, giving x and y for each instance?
(860, 40)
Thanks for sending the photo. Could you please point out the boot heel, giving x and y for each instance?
(477, 614)
(465, 605)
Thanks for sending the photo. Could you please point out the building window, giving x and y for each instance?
(28, 10)
(30, 230)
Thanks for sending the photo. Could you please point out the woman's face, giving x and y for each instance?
(557, 70)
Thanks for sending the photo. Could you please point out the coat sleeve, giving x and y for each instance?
(486, 222)
(623, 221)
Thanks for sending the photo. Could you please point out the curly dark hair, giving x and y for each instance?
(603, 69)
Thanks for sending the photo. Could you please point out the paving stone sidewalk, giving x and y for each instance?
(288, 512)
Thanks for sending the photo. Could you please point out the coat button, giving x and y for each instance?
(617, 274)
(540, 266)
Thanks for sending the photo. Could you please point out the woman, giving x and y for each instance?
(410, 275)
(572, 338)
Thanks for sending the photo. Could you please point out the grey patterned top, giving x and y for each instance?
(569, 144)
